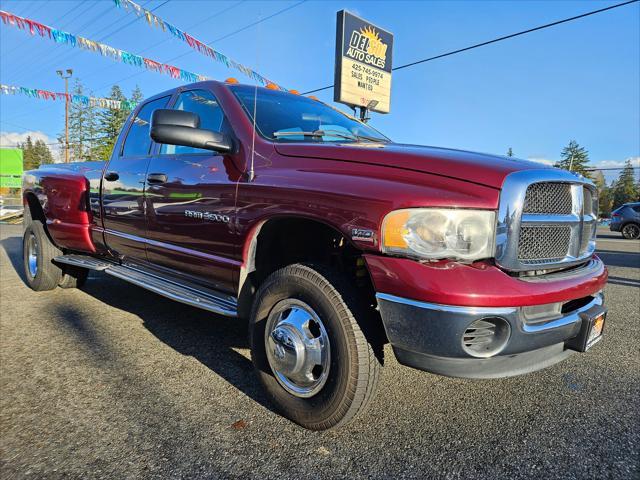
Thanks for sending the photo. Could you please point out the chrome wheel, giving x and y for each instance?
(297, 347)
(631, 231)
(32, 255)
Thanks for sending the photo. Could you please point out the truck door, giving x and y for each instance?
(123, 187)
(190, 203)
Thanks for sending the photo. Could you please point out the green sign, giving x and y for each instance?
(10, 167)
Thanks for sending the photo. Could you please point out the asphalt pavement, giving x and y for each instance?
(112, 381)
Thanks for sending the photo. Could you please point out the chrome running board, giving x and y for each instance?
(83, 261)
(189, 294)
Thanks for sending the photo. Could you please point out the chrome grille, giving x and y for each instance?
(548, 198)
(588, 201)
(543, 243)
(546, 219)
(588, 234)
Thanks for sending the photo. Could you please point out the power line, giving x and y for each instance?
(57, 57)
(57, 20)
(279, 12)
(218, 13)
(234, 32)
(131, 22)
(609, 168)
(495, 40)
(79, 14)
(206, 19)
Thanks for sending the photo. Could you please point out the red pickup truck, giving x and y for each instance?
(330, 239)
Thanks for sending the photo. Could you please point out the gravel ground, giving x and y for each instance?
(115, 382)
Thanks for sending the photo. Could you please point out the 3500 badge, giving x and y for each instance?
(210, 216)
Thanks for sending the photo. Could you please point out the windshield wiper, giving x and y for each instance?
(317, 133)
(372, 139)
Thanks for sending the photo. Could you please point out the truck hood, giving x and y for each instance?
(479, 168)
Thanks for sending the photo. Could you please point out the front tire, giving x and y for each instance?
(310, 354)
(631, 231)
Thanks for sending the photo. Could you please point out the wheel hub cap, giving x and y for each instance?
(297, 348)
(32, 255)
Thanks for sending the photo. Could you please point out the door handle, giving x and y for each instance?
(111, 176)
(156, 178)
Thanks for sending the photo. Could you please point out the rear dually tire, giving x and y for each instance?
(38, 253)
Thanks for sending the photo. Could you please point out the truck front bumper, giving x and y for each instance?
(436, 338)
(475, 321)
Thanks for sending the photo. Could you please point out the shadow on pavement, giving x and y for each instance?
(626, 282)
(13, 247)
(610, 236)
(211, 339)
(612, 258)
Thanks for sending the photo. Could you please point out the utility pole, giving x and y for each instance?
(66, 110)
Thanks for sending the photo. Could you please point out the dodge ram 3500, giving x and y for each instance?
(330, 239)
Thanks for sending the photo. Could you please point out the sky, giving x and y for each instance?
(534, 93)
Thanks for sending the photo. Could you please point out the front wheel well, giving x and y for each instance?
(285, 241)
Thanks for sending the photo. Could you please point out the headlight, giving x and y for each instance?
(435, 233)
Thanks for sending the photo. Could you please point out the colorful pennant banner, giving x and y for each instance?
(80, 99)
(61, 37)
(155, 21)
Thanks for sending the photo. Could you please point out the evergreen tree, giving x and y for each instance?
(137, 96)
(28, 160)
(625, 189)
(509, 152)
(574, 158)
(82, 127)
(35, 153)
(605, 199)
(42, 152)
(110, 121)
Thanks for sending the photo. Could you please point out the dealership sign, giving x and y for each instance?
(363, 64)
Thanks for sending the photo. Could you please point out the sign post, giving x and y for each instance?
(363, 65)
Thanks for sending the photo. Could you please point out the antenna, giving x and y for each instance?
(251, 173)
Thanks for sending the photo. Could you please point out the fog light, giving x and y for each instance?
(486, 337)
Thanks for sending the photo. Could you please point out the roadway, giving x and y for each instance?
(115, 382)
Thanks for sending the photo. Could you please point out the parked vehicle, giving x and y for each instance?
(626, 219)
(331, 240)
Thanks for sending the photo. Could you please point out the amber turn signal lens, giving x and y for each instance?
(395, 227)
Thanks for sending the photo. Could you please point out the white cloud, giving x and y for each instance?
(12, 139)
(542, 160)
(635, 161)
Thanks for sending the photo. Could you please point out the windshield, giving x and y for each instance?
(284, 117)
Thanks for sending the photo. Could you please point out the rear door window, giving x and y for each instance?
(138, 141)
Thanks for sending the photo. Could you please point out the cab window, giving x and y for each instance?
(205, 105)
(138, 141)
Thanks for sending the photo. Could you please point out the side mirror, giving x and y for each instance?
(176, 127)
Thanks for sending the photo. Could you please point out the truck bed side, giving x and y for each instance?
(61, 196)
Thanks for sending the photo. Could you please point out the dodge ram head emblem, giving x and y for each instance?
(210, 216)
